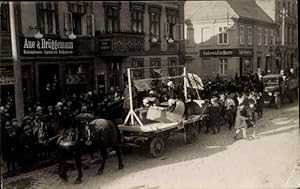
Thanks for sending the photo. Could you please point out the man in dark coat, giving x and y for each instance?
(9, 145)
(214, 115)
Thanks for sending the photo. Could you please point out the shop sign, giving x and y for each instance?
(7, 78)
(105, 45)
(245, 52)
(47, 47)
(226, 52)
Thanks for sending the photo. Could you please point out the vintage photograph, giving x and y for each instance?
(178, 94)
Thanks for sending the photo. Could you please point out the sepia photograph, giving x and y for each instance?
(178, 94)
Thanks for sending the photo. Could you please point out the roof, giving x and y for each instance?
(272, 76)
(249, 9)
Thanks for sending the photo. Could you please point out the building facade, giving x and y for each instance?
(228, 38)
(285, 14)
(77, 46)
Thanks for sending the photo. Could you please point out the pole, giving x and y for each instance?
(185, 83)
(130, 96)
(283, 37)
(19, 103)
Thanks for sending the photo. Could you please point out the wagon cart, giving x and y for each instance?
(150, 127)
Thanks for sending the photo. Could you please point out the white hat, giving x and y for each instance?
(59, 104)
(151, 92)
(170, 83)
(38, 108)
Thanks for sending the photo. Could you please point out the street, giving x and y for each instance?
(213, 161)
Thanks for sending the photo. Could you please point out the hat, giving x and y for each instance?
(38, 108)
(14, 120)
(151, 92)
(171, 102)
(27, 118)
(170, 83)
(83, 109)
(59, 104)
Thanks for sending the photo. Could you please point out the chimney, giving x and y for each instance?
(190, 33)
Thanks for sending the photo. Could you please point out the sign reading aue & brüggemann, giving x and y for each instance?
(47, 46)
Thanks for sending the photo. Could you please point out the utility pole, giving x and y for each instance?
(15, 51)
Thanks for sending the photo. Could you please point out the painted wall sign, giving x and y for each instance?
(47, 47)
(226, 52)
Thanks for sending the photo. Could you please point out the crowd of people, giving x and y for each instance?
(234, 102)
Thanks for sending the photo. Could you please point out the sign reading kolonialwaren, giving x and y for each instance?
(47, 46)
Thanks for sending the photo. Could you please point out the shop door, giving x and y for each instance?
(48, 74)
(114, 73)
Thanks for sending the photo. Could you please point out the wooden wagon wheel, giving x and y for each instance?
(191, 133)
(157, 147)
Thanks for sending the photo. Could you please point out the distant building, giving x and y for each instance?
(228, 38)
(85, 45)
(288, 51)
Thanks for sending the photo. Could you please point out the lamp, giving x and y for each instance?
(72, 36)
(38, 34)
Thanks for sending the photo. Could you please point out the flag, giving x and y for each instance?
(157, 70)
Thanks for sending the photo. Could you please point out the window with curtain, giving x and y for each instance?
(137, 18)
(47, 14)
(4, 15)
(172, 20)
(112, 18)
(77, 20)
(154, 16)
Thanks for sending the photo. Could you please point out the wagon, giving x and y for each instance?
(150, 127)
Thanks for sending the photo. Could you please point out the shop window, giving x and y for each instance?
(112, 17)
(172, 20)
(223, 66)
(138, 73)
(4, 14)
(259, 36)
(242, 35)
(137, 18)
(78, 21)
(47, 17)
(76, 74)
(156, 67)
(172, 71)
(154, 24)
(250, 35)
(223, 36)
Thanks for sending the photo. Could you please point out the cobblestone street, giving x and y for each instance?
(271, 160)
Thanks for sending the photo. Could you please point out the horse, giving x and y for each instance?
(86, 138)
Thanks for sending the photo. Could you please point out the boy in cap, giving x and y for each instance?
(214, 115)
